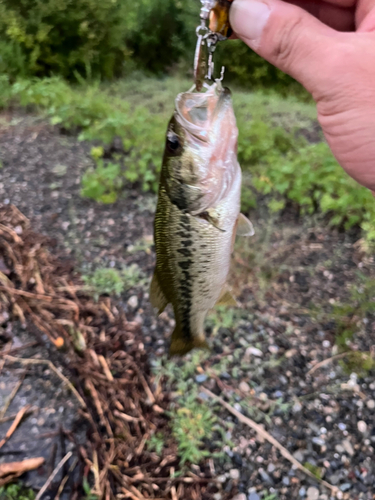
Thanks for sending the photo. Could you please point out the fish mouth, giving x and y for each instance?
(197, 113)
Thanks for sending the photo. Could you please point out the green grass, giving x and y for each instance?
(278, 162)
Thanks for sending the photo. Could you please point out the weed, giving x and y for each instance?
(107, 281)
(314, 469)
(156, 443)
(191, 424)
(16, 492)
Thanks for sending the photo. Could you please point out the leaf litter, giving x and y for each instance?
(107, 372)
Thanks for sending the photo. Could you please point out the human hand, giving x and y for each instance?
(329, 47)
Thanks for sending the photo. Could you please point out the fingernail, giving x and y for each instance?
(249, 18)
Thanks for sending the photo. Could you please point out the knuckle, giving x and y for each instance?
(285, 47)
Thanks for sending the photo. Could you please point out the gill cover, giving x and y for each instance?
(201, 169)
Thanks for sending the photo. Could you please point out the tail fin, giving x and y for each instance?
(181, 346)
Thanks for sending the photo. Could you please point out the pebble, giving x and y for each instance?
(235, 475)
(370, 404)
(362, 426)
(244, 387)
(342, 426)
(299, 455)
(271, 468)
(201, 378)
(265, 477)
(312, 493)
(345, 487)
(302, 492)
(253, 496)
(133, 302)
(286, 481)
(253, 351)
(348, 447)
(240, 496)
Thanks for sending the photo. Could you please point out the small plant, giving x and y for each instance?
(314, 469)
(156, 443)
(16, 492)
(191, 424)
(108, 281)
(103, 183)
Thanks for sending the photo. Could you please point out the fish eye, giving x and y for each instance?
(173, 142)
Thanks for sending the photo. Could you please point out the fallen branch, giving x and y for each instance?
(15, 424)
(53, 475)
(25, 361)
(327, 362)
(13, 470)
(267, 436)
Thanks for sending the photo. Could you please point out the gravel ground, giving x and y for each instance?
(288, 279)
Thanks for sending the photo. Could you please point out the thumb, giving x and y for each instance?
(286, 36)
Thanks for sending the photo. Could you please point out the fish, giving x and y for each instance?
(198, 213)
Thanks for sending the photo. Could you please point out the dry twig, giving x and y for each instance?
(15, 424)
(53, 475)
(326, 362)
(267, 436)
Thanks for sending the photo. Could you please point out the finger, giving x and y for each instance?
(336, 17)
(286, 36)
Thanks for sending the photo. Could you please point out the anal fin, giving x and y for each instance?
(227, 299)
(157, 297)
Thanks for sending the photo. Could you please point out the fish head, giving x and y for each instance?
(200, 159)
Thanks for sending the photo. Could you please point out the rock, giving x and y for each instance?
(339, 448)
(348, 447)
(244, 387)
(334, 479)
(345, 487)
(235, 475)
(299, 455)
(271, 468)
(253, 496)
(265, 477)
(240, 496)
(237, 459)
(362, 426)
(286, 481)
(302, 492)
(133, 302)
(221, 479)
(312, 493)
(342, 426)
(370, 404)
(253, 351)
(218, 496)
(201, 378)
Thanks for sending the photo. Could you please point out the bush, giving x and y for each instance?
(90, 37)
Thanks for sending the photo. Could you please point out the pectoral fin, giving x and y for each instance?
(226, 299)
(210, 216)
(244, 226)
(157, 297)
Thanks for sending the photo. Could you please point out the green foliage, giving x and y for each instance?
(156, 443)
(314, 469)
(16, 492)
(102, 183)
(191, 424)
(102, 38)
(107, 281)
(278, 163)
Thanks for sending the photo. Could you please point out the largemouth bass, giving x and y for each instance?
(198, 213)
